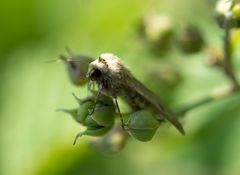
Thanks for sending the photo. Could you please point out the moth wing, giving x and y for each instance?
(149, 96)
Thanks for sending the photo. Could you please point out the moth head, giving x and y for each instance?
(106, 65)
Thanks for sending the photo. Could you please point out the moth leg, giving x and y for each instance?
(95, 102)
(124, 126)
(80, 134)
(89, 84)
(91, 87)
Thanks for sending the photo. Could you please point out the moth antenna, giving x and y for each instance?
(63, 58)
(52, 61)
(69, 51)
(66, 59)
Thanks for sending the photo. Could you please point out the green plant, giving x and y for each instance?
(99, 112)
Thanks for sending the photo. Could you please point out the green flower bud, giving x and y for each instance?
(85, 105)
(142, 125)
(104, 111)
(190, 40)
(158, 30)
(83, 110)
(105, 100)
(157, 27)
(77, 67)
(104, 116)
(89, 122)
(81, 113)
(235, 15)
(236, 11)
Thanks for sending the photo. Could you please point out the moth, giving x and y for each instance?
(115, 79)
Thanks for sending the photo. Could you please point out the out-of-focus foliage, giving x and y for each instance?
(34, 139)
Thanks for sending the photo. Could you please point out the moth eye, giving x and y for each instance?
(96, 74)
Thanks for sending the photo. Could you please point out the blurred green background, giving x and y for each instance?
(34, 139)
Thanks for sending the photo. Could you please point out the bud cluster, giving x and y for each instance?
(97, 122)
(160, 33)
(99, 117)
(227, 13)
(98, 112)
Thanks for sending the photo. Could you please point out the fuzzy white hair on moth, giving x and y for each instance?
(106, 55)
(112, 61)
(115, 80)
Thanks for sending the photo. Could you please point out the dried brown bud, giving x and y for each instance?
(190, 40)
(112, 142)
(76, 67)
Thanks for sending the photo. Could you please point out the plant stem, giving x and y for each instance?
(227, 68)
(227, 63)
(213, 97)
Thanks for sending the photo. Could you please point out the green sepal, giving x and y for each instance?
(96, 130)
(71, 112)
